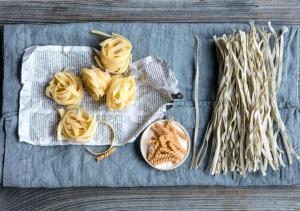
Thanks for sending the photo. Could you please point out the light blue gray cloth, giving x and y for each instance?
(26, 165)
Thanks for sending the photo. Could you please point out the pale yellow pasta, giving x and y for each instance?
(115, 54)
(65, 89)
(107, 153)
(121, 92)
(76, 125)
(96, 82)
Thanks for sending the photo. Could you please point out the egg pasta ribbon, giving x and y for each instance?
(121, 92)
(65, 89)
(76, 125)
(115, 54)
(96, 81)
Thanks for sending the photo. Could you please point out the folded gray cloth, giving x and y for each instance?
(26, 165)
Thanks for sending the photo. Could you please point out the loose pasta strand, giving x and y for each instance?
(196, 102)
(107, 153)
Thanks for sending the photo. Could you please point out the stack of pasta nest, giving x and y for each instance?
(66, 89)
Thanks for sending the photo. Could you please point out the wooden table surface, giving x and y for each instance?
(175, 198)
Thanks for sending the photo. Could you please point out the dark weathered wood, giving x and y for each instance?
(279, 11)
(151, 199)
(177, 198)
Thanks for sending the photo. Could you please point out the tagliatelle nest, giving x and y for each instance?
(76, 125)
(121, 92)
(96, 81)
(65, 89)
(115, 54)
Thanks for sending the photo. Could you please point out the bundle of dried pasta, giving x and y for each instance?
(65, 89)
(246, 119)
(165, 146)
(96, 82)
(121, 92)
(76, 125)
(115, 54)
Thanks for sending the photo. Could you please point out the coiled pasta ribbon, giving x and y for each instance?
(115, 54)
(65, 89)
(121, 92)
(76, 125)
(107, 153)
(96, 82)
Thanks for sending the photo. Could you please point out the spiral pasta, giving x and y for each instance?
(165, 146)
(107, 154)
(96, 82)
(76, 125)
(65, 89)
(121, 92)
(115, 54)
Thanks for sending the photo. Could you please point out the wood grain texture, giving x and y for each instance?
(151, 199)
(279, 11)
(177, 198)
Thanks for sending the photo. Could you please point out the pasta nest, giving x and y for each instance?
(65, 89)
(115, 54)
(96, 82)
(76, 125)
(121, 92)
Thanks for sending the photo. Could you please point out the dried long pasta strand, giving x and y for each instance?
(101, 33)
(196, 95)
(103, 155)
(241, 128)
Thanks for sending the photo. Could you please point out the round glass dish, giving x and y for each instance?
(148, 133)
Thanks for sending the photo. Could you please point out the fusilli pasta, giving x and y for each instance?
(165, 145)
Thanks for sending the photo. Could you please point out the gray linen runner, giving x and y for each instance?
(26, 165)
